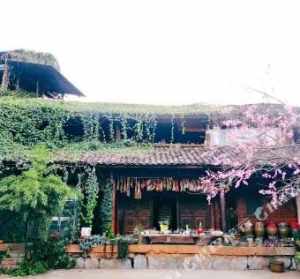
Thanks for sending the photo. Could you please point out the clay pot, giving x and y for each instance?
(294, 228)
(271, 229)
(247, 228)
(200, 230)
(277, 266)
(294, 232)
(259, 229)
(283, 229)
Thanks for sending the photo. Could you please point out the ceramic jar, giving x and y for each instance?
(247, 228)
(277, 266)
(259, 229)
(294, 228)
(283, 230)
(271, 229)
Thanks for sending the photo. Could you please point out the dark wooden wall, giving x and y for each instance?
(190, 210)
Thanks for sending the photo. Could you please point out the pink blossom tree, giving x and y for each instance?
(269, 150)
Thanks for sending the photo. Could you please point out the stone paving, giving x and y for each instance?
(162, 274)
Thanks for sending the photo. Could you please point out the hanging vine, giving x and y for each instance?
(111, 128)
(90, 123)
(124, 127)
(51, 123)
(172, 128)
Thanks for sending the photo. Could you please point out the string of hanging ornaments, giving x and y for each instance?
(138, 185)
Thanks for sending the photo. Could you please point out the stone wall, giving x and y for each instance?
(184, 262)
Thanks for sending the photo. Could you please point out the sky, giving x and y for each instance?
(164, 52)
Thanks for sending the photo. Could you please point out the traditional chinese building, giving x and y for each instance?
(163, 184)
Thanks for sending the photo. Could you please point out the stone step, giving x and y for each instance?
(16, 251)
(8, 263)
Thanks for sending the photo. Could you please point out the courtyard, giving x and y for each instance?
(161, 274)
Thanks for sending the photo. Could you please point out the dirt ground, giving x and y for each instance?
(161, 274)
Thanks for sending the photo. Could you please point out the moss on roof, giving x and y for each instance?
(32, 57)
(74, 152)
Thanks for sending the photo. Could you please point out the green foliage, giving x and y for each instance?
(43, 256)
(52, 253)
(122, 242)
(297, 257)
(30, 121)
(67, 225)
(87, 243)
(17, 94)
(116, 109)
(105, 209)
(29, 125)
(122, 248)
(12, 227)
(27, 268)
(91, 190)
(109, 232)
(3, 254)
(34, 195)
(73, 151)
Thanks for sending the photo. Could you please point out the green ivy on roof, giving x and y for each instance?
(12, 98)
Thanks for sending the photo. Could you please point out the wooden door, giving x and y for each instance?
(192, 211)
(134, 213)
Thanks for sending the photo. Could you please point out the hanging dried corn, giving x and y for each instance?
(139, 184)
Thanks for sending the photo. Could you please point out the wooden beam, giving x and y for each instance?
(223, 210)
(210, 250)
(161, 249)
(298, 208)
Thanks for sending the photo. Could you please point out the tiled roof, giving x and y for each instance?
(156, 157)
(191, 156)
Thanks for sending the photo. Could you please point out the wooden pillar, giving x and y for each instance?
(5, 77)
(298, 207)
(114, 208)
(177, 213)
(241, 210)
(217, 215)
(223, 210)
(212, 215)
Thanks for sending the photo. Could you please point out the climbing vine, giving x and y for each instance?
(105, 208)
(91, 190)
(32, 122)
